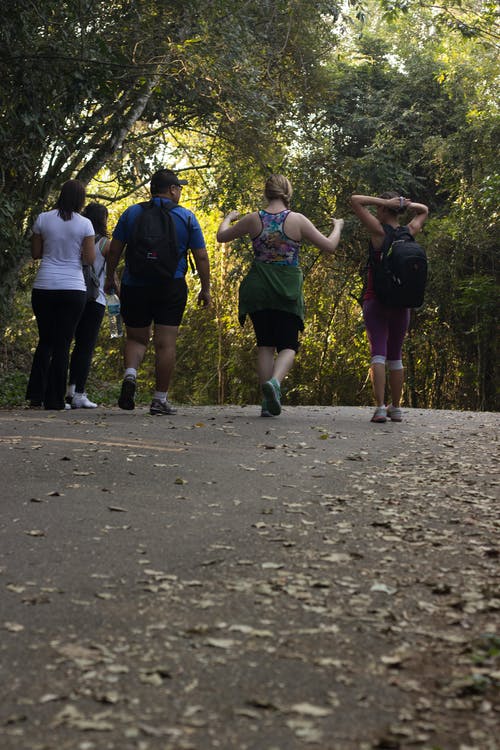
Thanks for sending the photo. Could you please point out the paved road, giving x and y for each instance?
(218, 580)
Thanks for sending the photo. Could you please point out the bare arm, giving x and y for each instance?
(105, 253)
(36, 246)
(249, 224)
(88, 250)
(203, 267)
(113, 256)
(105, 248)
(311, 234)
(360, 203)
(418, 221)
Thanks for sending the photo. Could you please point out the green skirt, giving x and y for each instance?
(268, 286)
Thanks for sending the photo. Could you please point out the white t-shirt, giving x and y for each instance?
(61, 266)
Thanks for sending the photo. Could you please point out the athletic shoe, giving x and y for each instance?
(380, 414)
(272, 393)
(394, 413)
(264, 412)
(67, 407)
(127, 393)
(82, 402)
(160, 408)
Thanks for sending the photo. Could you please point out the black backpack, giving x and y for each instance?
(152, 250)
(400, 276)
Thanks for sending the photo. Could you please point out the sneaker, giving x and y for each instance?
(380, 414)
(67, 407)
(394, 413)
(264, 412)
(80, 401)
(160, 408)
(272, 393)
(127, 393)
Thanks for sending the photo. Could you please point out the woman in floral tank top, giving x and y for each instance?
(271, 292)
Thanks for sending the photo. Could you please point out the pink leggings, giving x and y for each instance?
(386, 328)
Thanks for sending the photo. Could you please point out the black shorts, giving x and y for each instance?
(163, 304)
(276, 328)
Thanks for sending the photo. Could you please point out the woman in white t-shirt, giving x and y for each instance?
(89, 324)
(62, 239)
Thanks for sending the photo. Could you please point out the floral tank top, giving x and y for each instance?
(272, 245)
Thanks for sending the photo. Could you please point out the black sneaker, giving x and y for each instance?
(126, 400)
(159, 408)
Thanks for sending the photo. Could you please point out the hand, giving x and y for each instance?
(338, 223)
(398, 203)
(204, 298)
(233, 215)
(109, 285)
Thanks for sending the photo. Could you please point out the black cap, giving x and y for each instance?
(164, 178)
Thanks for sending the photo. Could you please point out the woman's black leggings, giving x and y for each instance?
(86, 335)
(57, 313)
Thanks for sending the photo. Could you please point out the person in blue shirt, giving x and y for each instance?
(161, 301)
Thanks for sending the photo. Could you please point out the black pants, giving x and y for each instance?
(86, 335)
(57, 313)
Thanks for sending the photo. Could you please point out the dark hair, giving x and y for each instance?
(98, 215)
(71, 199)
(392, 194)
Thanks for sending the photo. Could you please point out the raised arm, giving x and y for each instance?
(418, 221)
(360, 203)
(248, 224)
(311, 234)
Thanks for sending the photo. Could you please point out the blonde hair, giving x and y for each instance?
(278, 187)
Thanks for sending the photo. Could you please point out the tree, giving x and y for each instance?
(94, 84)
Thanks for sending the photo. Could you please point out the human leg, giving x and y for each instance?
(41, 301)
(67, 309)
(375, 317)
(285, 332)
(399, 320)
(265, 362)
(86, 334)
(283, 364)
(377, 377)
(165, 339)
(396, 382)
(136, 344)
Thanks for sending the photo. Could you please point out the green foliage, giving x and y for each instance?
(387, 95)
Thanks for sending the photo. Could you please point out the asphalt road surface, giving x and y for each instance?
(219, 580)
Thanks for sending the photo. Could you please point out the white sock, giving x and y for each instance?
(131, 372)
(160, 396)
(71, 390)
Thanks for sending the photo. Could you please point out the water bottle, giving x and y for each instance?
(114, 317)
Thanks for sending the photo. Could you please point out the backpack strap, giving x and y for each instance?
(390, 235)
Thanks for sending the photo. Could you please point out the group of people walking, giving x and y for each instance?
(271, 294)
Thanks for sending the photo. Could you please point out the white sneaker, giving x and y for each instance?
(80, 401)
